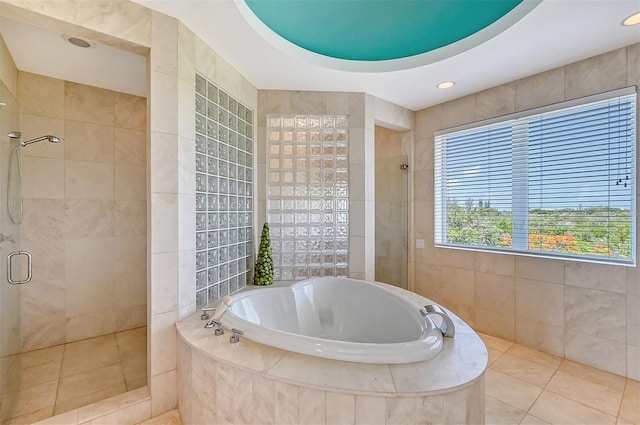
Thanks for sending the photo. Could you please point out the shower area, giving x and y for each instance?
(73, 224)
(392, 206)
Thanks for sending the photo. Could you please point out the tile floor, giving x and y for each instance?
(526, 386)
(62, 378)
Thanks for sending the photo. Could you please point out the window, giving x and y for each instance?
(555, 181)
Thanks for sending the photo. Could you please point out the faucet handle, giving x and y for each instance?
(236, 335)
(205, 313)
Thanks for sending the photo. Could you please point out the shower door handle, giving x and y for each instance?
(9, 268)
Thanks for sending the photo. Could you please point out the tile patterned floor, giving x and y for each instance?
(62, 378)
(528, 387)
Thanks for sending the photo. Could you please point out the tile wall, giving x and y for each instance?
(392, 206)
(84, 211)
(584, 311)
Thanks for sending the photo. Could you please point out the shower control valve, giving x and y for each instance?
(236, 335)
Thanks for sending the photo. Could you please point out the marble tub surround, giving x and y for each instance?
(84, 211)
(249, 382)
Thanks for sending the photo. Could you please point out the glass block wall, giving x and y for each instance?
(308, 195)
(224, 193)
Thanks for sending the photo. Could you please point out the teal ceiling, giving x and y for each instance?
(376, 30)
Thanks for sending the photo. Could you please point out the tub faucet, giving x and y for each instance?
(446, 327)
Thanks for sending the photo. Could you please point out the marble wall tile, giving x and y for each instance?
(495, 102)
(400, 410)
(88, 142)
(596, 75)
(130, 182)
(205, 60)
(130, 218)
(164, 32)
(541, 89)
(89, 273)
(633, 320)
(130, 146)
(186, 282)
(224, 393)
(164, 215)
(428, 281)
(88, 218)
(164, 171)
(203, 377)
(633, 65)
(130, 111)
(42, 299)
(163, 289)
(502, 325)
(542, 336)
(35, 126)
(264, 400)
(186, 54)
(164, 108)
(540, 269)
(43, 178)
(312, 406)
(87, 103)
(306, 102)
(594, 351)
(459, 258)
(337, 103)
(459, 111)
(598, 313)
(540, 301)
(495, 263)
(88, 180)
(597, 276)
(187, 222)
(228, 78)
(43, 219)
(633, 362)
(163, 352)
(633, 281)
(187, 169)
(370, 410)
(164, 392)
(8, 70)
(286, 403)
(87, 325)
(341, 408)
(242, 396)
(495, 292)
(39, 95)
(123, 19)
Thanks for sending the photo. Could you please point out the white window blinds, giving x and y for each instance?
(558, 181)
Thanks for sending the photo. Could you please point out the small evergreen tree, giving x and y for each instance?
(264, 263)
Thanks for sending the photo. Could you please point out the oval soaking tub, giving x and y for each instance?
(336, 318)
(220, 382)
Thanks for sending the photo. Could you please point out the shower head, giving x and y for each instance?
(52, 139)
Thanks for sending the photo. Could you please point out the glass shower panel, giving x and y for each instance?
(10, 338)
(392, 220)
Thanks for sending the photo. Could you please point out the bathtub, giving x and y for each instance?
(336, 318)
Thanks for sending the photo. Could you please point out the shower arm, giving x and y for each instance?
(52, 139)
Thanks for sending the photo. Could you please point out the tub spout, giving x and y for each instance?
(446, 327)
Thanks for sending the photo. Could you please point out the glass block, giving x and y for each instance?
(342, 257)
(273, 121)
(287, 273)
(201, 260)
(301, 273)
(315, 258)
(242, 280)
(341, 149)
(212, 239)
(201, 85)
(201, 182)
(328, 191)
(212, 257)
(201, 240)
(223, 185)
(328, 232)
(223, 237)
(315, 271)
(315, 219)
(342, 191)
(223, 151)
(328, 163)
(201, 124)
(233, 122)
(223, 99)
(342, 121)
(341, 135)
(233, 219)
(328, 219)
(342, 231)
(214, 293)
(233, 251)
(328, 244)
(287, 246)
(302, 232)
(242, 111)
(201, 105)
(342, 271)
(233, 105)
(302, 259)
(242, 172)
(212, 221)
(248, 144)
(201, 202)
(233, 236)
(288, 121)
(249, 116)
(233, 268)
(201, 279)
(212, 147)
(212, 92)
(315, 244)
(201, 299)
(233, 285)
(342, 177)
(212, 275)
(342, 204)
(212, 185)
(201, 220)
(328, 271)
(223, 168)
(212, 202)
(201, 163)
(328, 149)
(233, 171)
(212, 111)
(223, 203)
(224, 272)
(277, 273)
(211, 128)
(201, 143)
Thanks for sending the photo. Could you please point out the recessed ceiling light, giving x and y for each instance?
(446, 85)
(79, 42)
(632, 20)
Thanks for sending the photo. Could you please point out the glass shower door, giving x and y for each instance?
(10, 195)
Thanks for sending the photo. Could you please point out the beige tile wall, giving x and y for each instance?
(84, 211)
(583, 311)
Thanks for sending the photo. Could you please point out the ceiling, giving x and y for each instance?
(552, 34)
